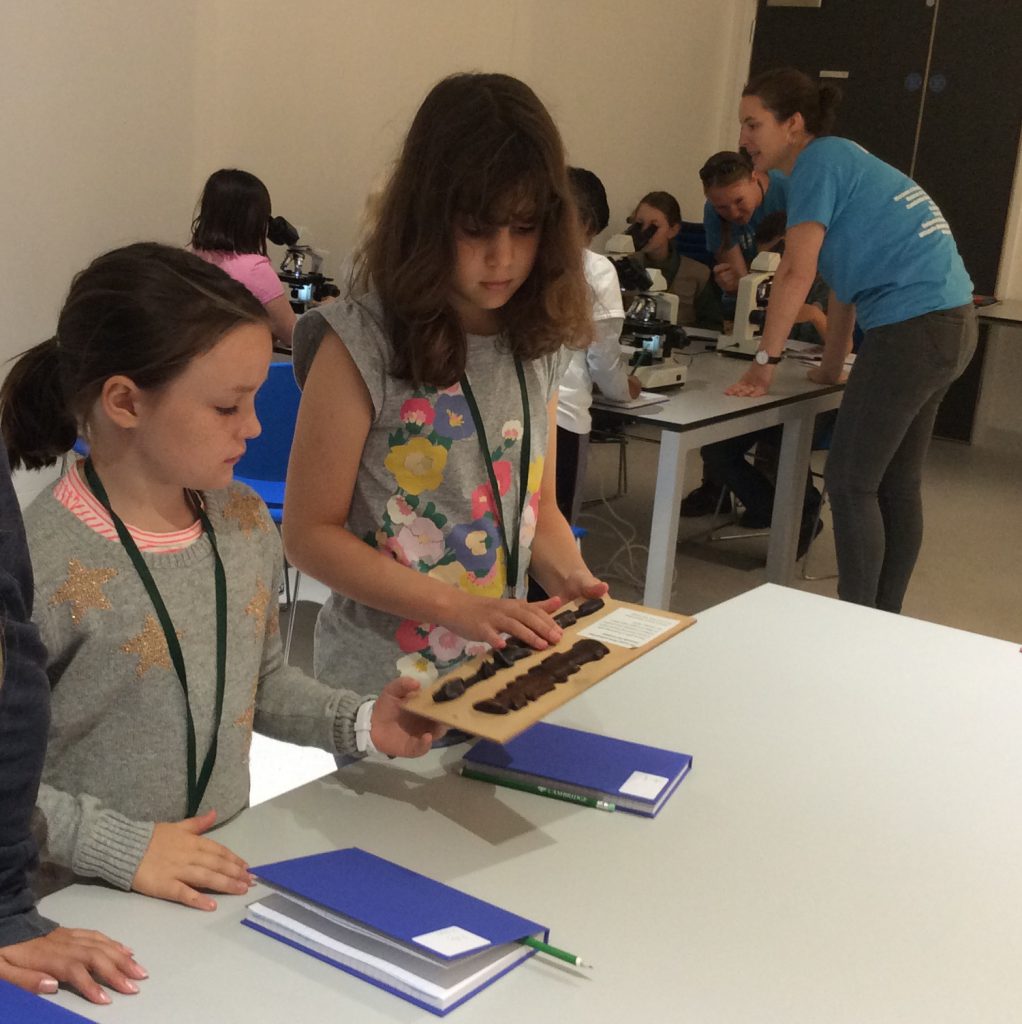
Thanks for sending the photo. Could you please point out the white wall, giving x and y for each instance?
(642, 101)
(115, 112)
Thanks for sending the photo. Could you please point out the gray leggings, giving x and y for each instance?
(874, 469)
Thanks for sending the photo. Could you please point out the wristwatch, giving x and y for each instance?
(764, 359)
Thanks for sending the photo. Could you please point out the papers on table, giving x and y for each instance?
(645, 398)
(807, 352)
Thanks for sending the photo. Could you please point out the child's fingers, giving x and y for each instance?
(210, 870)
(402, 687)
(200, 823)
(179, 892)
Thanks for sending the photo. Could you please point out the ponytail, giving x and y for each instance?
(37, 425)
(788, 91)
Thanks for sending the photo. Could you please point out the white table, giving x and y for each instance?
(845, 849)
(1005, 311)
(700, 413)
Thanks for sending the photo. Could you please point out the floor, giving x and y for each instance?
(969, 574)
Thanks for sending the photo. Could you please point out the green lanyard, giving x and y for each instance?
(511, 552)
(196, 783)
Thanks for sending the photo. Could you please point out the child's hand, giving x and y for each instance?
(488, 618)
(178, 861)
(582, 584)
(75, 957)
(398, 732)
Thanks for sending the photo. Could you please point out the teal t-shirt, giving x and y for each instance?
(744, 235)
(888, 248)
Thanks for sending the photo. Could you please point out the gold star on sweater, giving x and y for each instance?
(150, 645)
(83, 589)
(246, 721)
(247, 509)
(257, 606)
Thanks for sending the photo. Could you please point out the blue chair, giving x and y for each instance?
(264, 465)
(691, 241)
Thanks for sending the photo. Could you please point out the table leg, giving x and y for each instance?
(788, 498)
(663, 534)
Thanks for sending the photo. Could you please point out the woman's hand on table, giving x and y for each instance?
(753, 383)
(74, 956)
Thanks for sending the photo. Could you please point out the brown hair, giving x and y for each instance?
(144, 311)
(788, 91)
(481, 147)
(234, 213)
(725, 168)
(662, 201)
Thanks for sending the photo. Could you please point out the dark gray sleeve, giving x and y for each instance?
(24, 723)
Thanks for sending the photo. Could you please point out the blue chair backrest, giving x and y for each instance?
(691, 241)
(276, 406)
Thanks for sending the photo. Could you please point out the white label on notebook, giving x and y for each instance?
(626, 627)
(451, 941)
(643, 785)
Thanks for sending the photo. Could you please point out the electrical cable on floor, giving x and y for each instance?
(623, 566)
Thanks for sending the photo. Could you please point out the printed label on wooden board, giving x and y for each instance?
(460, 712)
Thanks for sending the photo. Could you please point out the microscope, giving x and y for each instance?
(750, 309)
(299, 270)
(651, 333)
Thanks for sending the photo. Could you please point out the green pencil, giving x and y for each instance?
(529, 787)
(561, 954)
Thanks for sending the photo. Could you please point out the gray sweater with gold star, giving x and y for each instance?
(116, 761)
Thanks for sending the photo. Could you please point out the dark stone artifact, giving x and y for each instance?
(539, 679)
(542, 678)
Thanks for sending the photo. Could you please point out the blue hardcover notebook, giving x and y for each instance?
(425, 941)
(17, 1005)
(632, 776)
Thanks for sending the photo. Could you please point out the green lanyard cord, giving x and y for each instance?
(512, 550)
(196, 784)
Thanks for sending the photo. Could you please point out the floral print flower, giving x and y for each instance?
(400, 511)
(417, 465)
(421, 541)
(535, 474)
(475, 544)
(452, 417)
(489, 585)
(415, 666)
(417, 411)
(412, 636)
(512, 430)
(446, 645)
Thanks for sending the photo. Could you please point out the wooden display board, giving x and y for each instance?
(460, 713)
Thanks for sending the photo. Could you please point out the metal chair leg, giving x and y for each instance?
(714, 536)
(805, 558)
(291, 617)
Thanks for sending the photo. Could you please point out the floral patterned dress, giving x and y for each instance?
(423, 496)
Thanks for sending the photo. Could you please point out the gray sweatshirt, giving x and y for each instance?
(116, 760)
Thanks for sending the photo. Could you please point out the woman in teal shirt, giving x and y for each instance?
(887, 253)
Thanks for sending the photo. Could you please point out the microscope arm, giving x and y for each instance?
(791, 284)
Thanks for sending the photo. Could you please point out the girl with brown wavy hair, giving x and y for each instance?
(424, 440)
